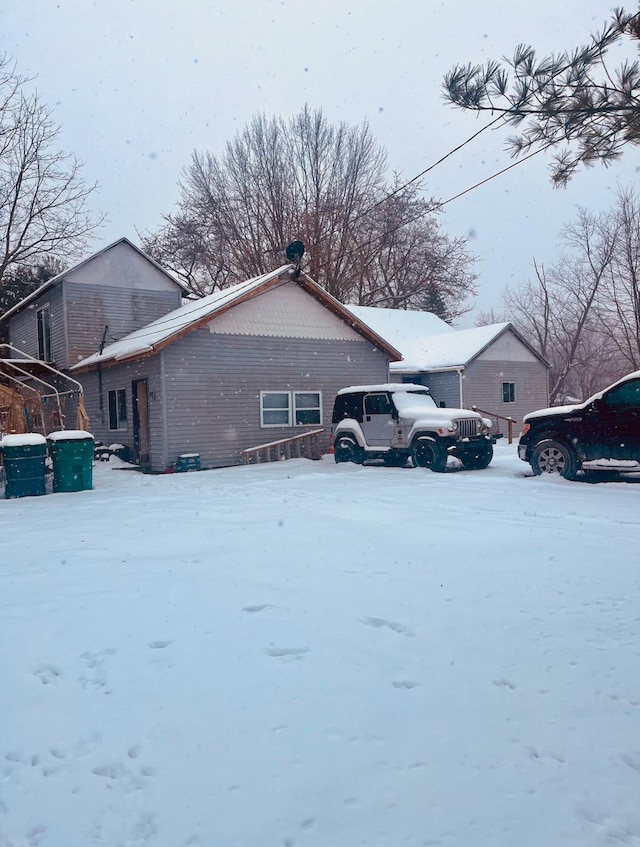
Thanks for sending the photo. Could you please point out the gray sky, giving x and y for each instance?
(137, 85)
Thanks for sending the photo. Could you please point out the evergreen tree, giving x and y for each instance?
(572, 100)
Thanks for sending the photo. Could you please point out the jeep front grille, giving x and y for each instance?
(467, 427)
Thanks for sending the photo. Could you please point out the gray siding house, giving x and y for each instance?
(251, 364)
(491, 367)
(106, 296)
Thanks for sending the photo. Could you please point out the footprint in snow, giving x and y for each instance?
(378, 623)
(259, 608)
(279, 652)
(158, 645)
(47, 674)
(504, 683)
(405, 683)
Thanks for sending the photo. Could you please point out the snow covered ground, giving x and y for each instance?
(317, 655)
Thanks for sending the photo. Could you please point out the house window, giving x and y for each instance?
(43, 320)
(290, 408)
(118, 409)
(275, 408)
(509, 392)
(307, 409)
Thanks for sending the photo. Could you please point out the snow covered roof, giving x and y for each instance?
(425, 341)
(45, 285)
(401, 326)
(169, 327)
(448, 350)
(396, 387)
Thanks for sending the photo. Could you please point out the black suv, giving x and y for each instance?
(601, 434)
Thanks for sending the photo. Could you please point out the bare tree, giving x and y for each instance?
(557, 311)
(618, 306)
(413, 264)
(326, 185)
(573, 98)
(43, 199)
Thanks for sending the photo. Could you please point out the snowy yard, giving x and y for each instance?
(309, 654)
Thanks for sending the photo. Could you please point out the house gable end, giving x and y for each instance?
(285, 311)
(507, 347)
(123, 266)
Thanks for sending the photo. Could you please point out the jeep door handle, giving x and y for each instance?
(368, 417)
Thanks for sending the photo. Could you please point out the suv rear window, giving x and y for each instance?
(348, 406)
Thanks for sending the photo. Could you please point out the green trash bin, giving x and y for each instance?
(71, 452)
(24, 459)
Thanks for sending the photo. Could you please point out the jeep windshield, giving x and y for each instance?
(411, 404)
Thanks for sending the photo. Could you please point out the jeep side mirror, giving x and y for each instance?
(443, 405)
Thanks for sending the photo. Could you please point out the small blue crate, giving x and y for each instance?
(188, 462)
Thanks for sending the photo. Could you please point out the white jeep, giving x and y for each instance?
(396, 421)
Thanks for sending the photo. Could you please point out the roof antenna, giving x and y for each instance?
(294, 253)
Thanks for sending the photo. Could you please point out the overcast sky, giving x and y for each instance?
(137, 85)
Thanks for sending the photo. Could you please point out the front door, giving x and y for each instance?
(140, 398)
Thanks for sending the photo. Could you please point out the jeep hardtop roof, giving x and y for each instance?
(385, 386)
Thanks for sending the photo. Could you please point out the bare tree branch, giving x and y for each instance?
(367, 242)
(44, 212)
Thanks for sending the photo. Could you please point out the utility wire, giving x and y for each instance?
(202, 310)
(501, 117)
(425, 171)
(443, 203)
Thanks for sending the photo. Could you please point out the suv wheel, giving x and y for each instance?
(347, 450)
(477, 461)
(554, 457)
(429, 453)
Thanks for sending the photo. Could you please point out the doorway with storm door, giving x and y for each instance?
(140, 401)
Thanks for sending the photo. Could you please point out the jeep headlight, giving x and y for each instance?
(453, 426)
(485, 425)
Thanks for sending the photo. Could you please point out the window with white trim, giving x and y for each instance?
(43, 322)
(117, 408)
(307, 408)
(290, 408)
(509, 394)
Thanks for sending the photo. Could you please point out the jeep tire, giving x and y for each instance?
(428, 452)
(346, 449)
(477, 460)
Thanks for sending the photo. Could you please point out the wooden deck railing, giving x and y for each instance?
(306, 446)
(510, 421)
